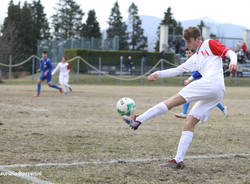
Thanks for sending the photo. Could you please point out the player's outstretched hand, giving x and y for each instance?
(232, 67)
(153, 76)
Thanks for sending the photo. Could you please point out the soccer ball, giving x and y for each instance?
(125, 106)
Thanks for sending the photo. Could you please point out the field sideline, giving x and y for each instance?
(86, 79)
(84, 126)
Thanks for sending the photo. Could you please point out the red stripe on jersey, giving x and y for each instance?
(199, 47)
(205, 53)
(68, 67)
(217, 48)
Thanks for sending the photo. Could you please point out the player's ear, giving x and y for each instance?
(199, 38)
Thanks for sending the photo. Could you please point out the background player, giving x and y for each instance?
(207, 92)
(64, 68)
(195, 76)
(45, 67)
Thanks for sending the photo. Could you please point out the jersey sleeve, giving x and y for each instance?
(217, 48)
(188, 66)
(55, 70)
(68, 67)
(232, 55)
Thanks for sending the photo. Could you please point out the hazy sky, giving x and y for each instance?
(224, 11)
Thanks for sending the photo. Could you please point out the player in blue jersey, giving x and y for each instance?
(195, 76)
(45, 68)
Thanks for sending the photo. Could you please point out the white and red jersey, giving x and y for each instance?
(207, 61)
(64, 68)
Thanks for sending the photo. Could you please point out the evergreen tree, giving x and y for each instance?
(117, 27)
(137, 38)
(23, 27)
(40, 22)
(174, 27)
(26, 37)
(10, 30)
(17, 32)
(202, 24)
(179, 29)
(92, 28)
(67, 21)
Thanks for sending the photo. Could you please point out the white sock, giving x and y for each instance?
(152, 112)
(64, 89)
(186, 139)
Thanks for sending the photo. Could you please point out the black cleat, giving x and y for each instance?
(173, 164)
(131, 121)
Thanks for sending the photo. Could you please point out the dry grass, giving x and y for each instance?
(84, 126)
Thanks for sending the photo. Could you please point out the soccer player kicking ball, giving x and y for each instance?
(207, 92)
(195, 76)
(64, 68)
(45, 67)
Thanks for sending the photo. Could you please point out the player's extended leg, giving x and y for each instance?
(68, 86)
(66, 82)
(38, 88)
(220, 106)
(223, 109)
(185, 108)
(158, 109)
(199, 112)
(64, 89)
(183, 115)
(62, 82)
(50, 84)
(186, 139)
(41, 78)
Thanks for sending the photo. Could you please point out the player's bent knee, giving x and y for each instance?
(174, 101)
(190, 123)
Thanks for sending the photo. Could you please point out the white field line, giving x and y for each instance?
(24, 108)
(125, 161)
(38, 110)
(23, 176)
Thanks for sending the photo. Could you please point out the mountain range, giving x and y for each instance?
(151, 23)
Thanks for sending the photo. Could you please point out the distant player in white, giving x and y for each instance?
(207, 92)
(64, 68)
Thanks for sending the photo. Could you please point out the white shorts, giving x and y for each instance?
(63, 79)
(207, 94)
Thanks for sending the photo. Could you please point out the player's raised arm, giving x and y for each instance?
(56, 69)
(165, 73)
(153, 76)
(188, 66)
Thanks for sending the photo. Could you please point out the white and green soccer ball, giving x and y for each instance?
(125, 106)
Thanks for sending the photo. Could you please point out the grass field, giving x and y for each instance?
(84, 126)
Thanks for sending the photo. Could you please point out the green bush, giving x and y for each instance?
(112, 58)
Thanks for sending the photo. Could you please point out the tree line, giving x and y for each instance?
(25, 25)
